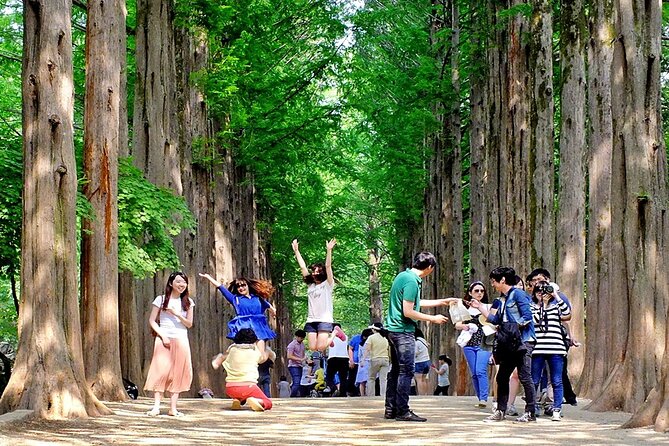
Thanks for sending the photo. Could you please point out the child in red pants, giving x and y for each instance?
(241, 364)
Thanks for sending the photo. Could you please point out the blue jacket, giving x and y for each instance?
(517, 310)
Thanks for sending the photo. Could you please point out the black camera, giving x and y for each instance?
(544, 289)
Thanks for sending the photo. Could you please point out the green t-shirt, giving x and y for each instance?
(406, 286)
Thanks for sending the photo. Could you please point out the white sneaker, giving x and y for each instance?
(481, 404)
(512, 411)
(557, 415)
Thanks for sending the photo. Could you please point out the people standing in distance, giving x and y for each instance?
(171, 368)
(404, 305)
(320, 281)
(296, 356)
(264, 371)
(249, 299)
(443, 381)
(337, 365)
(422, 363)
(378, 350)
(512, 306)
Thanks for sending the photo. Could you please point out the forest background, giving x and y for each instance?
(206, 136)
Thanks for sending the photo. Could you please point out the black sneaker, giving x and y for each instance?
(527, 417)
(410, 416)
(389, 414)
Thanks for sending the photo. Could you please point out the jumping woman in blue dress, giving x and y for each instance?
(249, 299)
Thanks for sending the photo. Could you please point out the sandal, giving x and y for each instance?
(153, 413)
(175, 414)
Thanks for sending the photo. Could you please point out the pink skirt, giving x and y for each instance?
(171, 368)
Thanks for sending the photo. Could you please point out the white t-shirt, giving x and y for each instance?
(320, 302)
(340, 349)
(422, 354)
(169, 324)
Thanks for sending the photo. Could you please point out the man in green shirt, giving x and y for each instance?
(403, 311)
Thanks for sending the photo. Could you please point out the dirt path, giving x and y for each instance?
(326, 421)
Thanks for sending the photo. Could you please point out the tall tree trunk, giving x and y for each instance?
(570, 226)
(541, 168)
(99, 254)
(601, 349)
(154, 146)
(48, 375)
(375, 299)
(639, 181)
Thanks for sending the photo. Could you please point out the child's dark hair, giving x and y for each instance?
(283, 378)
(245, 336)
(300, 334)
(446, 359)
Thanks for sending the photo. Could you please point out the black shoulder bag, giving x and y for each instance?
(508, 340)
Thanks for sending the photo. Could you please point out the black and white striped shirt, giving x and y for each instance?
(547, 326)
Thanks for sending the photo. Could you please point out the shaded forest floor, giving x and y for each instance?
(325, 421)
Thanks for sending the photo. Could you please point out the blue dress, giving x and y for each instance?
(250, 314)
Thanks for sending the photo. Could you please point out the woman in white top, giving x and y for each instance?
(320, 281)
(171, 368)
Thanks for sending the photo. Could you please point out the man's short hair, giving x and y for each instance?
(538, 272)
(301, 334)
(506, 272)
(424, 260)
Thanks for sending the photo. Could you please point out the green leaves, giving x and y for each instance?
(149, 217)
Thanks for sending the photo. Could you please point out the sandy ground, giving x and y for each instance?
(326, 421)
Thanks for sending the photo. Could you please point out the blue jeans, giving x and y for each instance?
(296, 377)
(477, 358)
(263, 383)
(555, 366)
(402, 353)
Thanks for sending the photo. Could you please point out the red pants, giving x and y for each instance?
(241, 393)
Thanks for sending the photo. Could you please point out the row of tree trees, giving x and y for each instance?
(534, 127)
(567, 170)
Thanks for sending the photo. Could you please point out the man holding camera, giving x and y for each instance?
(512, 306)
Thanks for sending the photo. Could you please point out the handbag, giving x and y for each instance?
(508, 340)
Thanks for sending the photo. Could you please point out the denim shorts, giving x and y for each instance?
(318, 327)
(422, 368)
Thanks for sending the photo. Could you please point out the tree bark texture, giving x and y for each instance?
(570, 226)
(601, 350)
(443, 221)
(375, 298)
(541, 168)
(48, 375)
(639, 212)
(99, 258)
(172, 126)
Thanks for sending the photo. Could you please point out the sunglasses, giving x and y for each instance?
(239, 285)
(478, 291)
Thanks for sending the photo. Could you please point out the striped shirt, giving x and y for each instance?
(547, 325)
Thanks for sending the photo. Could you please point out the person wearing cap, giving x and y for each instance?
(404, 305)
(377, 350)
